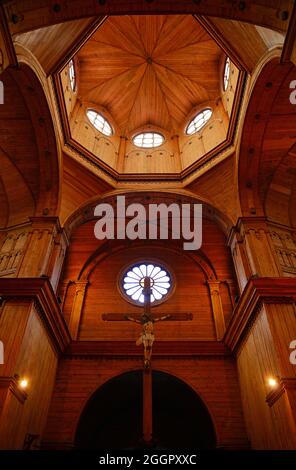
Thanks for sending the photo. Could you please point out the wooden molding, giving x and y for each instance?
(39, 291)
(11, 384)
(257, 292)
(190, 349)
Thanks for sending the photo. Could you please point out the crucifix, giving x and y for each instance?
(147, 339)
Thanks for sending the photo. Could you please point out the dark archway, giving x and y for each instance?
(112, 418)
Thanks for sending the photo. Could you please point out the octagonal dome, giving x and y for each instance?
(149, 74)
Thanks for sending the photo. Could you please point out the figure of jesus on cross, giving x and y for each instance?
(147, 336)
(147, 320)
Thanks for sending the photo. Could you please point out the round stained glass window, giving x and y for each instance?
(133, 282)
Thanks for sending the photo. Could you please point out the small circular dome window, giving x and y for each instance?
(148, 140)
(132, 282)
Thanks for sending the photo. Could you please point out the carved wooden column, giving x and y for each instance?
(217, 307)
(260, 249)
(77, 308)
(240, 259)
(253, 250)
(12, 246)
(61, 243)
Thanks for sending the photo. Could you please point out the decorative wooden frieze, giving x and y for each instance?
(11, 252)
(252, 235)
(39, 248)
(284, 241)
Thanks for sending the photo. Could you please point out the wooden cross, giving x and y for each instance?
(146, 338)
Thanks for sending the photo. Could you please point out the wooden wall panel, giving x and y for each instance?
(103, 147)
(213, 379)
(37, 361)
(267, 426)
(191, 295)
(103, 296)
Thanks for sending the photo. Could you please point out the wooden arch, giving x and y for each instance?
(110, 248)
(267, 140)
(29, 176)
(86, 212)
(26, 15)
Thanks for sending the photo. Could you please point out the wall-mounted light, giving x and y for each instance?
(23, 383)
(272, 382)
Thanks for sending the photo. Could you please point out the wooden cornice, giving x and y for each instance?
(188, 349)
(257, 292)
(40, 291)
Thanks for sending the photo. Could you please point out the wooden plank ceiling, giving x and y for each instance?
(149, 70)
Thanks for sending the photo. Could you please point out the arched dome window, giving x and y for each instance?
(99, 122)
(226, 74)
(72, 75)
(199, 121)
(148, 140)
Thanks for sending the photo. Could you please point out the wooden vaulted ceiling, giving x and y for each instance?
(149, 70)
(267, 167)
(28, 153)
